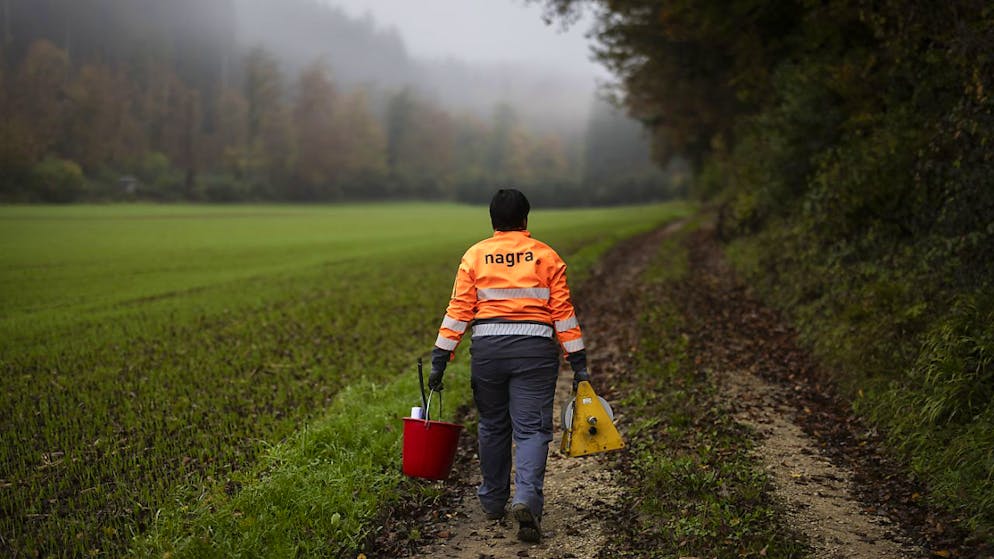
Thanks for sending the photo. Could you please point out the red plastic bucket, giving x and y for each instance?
(429, 447)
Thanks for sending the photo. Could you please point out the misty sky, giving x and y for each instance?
(482, 31)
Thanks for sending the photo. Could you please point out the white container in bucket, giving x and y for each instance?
(429, 446)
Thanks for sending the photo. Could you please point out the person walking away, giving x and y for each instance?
(511, 293)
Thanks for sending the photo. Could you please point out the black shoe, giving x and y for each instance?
(494, 515)
(529, 525)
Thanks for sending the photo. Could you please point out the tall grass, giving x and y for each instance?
(940, 412)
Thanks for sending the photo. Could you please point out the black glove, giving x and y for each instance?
(435, 380)
(580, 376)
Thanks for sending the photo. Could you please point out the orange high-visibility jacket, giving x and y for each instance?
(516, 283)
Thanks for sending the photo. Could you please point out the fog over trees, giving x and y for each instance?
(234, 100)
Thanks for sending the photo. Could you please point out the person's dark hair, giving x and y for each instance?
(509, 210)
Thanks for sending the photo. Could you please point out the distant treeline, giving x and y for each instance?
(850, 146)
(144, 99)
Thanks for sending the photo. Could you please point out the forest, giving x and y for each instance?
(107, 100)
(847, 147)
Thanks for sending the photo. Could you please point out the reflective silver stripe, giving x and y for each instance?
(445, 343)
(515, 293)
(573, 345)
(564, 325)
(511, 329)
(454, 325)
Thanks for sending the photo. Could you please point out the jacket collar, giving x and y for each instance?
(524, 232)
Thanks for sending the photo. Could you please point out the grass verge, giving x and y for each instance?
(320, 493)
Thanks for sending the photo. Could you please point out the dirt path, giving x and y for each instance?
(580, 493)
(574, 490)
(808, 444)
(820, 497)
(755, 359)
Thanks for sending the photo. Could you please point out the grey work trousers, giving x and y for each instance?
(514, 397)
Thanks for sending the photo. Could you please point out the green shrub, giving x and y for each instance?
(158, 179)
(223, 188)
(58, 180)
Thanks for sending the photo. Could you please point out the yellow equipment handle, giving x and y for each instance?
(592, 430)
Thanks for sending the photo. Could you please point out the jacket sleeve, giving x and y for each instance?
(564, 317)
(460, 312)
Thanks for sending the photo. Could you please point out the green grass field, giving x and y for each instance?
(163, 365)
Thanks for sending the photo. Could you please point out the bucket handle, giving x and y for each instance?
(421, 383)
(428, 405)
